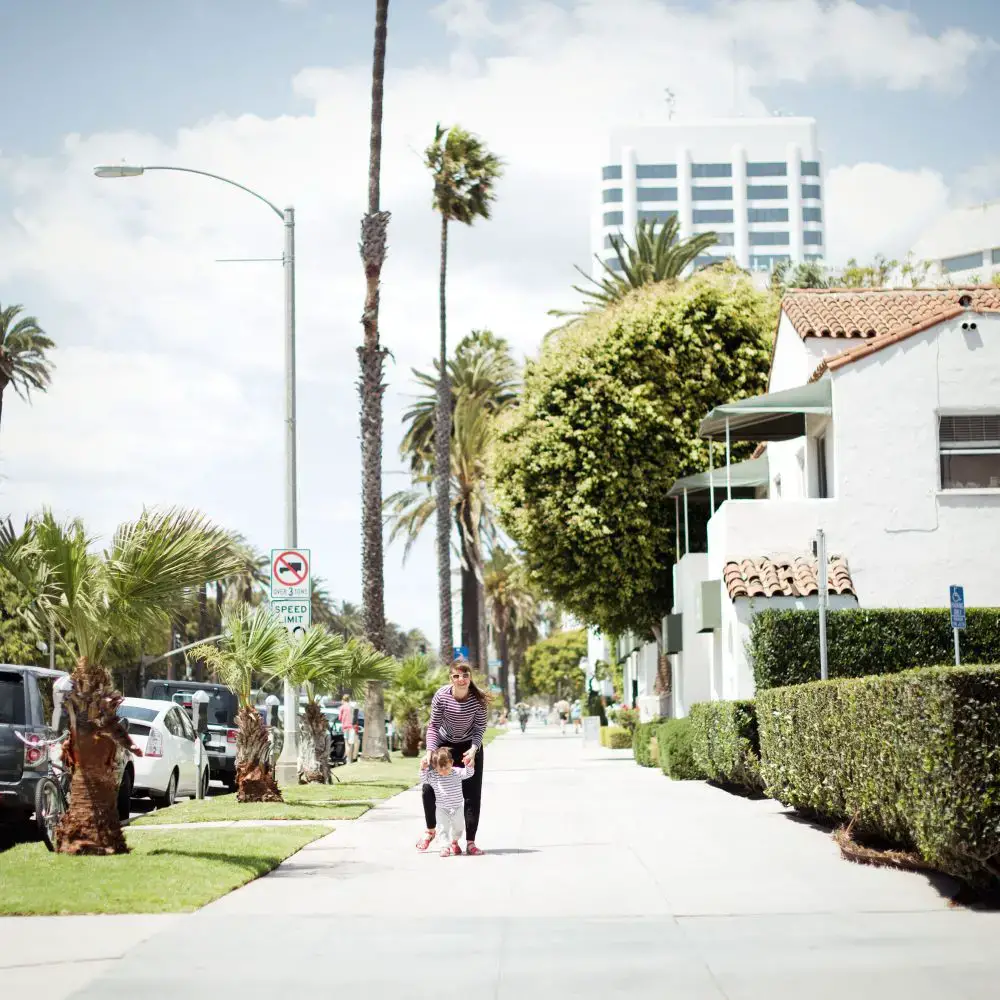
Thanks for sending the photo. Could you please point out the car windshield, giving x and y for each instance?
(138, 712)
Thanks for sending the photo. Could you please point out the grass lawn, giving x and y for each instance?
(225, 808)
(167, 872)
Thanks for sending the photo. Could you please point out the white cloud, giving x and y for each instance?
(169, 378)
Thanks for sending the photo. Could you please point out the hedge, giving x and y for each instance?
(726, 743)
(644, 743)
(616, 738)
(674, 740)
(913, 758)
(784, 645)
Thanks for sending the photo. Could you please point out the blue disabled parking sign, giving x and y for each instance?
(957, 595)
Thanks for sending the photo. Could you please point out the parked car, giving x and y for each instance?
(222, 707)
(168, 766)
(26, 706)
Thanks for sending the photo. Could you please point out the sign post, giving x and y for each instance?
(957, 598)
(291, 593)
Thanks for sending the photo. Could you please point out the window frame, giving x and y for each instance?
(969, 446)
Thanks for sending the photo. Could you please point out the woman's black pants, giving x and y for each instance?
(472, 791)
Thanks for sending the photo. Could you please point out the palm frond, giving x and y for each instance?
(255, 642)
(364, 663)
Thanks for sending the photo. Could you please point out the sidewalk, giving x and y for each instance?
(603, 879)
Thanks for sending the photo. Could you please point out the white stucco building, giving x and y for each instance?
(882, 427)
(963, 246)
(757, 182)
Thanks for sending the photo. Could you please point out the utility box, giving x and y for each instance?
(710, 606)
(673, 635)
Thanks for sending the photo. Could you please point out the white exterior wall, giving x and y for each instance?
(905, 540)
(962, 232)
(692, 666)
(734, 141)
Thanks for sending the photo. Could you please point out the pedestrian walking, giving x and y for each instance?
(562, 708)
(349, 729)
(447, 781)
(458, 722)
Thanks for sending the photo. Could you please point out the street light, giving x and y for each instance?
(288, 763)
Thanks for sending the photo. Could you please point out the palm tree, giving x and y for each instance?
(323, 661)
(410, 696)
(135, 588)
(657, 256)
(372, 356)
(254, 644)
(23, 360)
(513, 610)
(465, 173)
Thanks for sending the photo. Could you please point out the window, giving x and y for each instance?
(822, 482)
(709, 215)
(651, 215)
(644, 171)
(711, 194)
(970, 451)
(996, 256)
(769, 239)
(810, 190)
(137, 712)
(173, 723)
(767, 192)
(613, 173)
(766, 262)
(614, 218)
(812, 238)
(812, 213)
(724, 239)
(810, 168)
(813, 256)
(964, 263)
(187, 727)
(614, 263)
(657, 194)
(611, 194)
(46, 694)
(11, 699)
(707, 260)
(607, 241)
(766, 170)
(711, 170)
(767, 215)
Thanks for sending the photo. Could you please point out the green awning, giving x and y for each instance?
(776, 416)
(743, 474)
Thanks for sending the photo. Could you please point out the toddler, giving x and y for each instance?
(446, 780)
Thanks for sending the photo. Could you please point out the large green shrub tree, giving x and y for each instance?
(608, 420)
(552, 666)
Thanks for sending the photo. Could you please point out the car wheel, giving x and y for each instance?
(125, 795)
(167, 799)
(204, 784)
(49, 809)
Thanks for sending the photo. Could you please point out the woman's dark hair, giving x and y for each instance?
(461, 664)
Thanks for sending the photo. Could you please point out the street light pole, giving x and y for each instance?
(287, 769)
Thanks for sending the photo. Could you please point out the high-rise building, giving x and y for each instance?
(756, 182)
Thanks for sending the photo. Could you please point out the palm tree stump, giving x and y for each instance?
(254, 777)
(314, 747)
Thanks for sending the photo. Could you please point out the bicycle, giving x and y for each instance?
(52, 790)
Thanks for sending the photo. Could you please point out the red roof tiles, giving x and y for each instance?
(784, 577)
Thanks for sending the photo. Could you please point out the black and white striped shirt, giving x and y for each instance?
(454, 721)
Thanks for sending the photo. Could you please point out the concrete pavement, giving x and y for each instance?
(603, 879)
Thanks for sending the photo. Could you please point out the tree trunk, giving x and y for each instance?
(412, 734)
(372, 357)
(314, 747)
(91, 824)
(220, 596)
(503, 643)
(442, 463)
(470, 585)
(199, 663)
(470, 634)
(482, 638)
(254, 775)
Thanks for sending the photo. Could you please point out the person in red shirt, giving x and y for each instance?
(346, 717)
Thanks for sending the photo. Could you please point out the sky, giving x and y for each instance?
(168, 385)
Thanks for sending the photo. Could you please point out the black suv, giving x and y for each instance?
(26, 707)
(220, 742)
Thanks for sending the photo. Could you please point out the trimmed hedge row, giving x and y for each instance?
(913, 758)
(616, 738)
(784, 645)
(726, 743)
(675, 745)
(644, 744)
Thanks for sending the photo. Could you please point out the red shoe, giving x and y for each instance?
(471, 849)
(424, 842)
(455, 847)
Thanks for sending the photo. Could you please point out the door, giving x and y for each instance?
(191, 740)
(182, 750)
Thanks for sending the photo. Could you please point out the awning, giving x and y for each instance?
(776, 416)
(753, 472)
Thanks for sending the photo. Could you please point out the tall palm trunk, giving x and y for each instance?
(501, 625)
(442, 462)
(471, 572)
(91, 824)
(372, 357)
(199, 663)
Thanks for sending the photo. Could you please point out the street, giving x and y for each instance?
(601, 879)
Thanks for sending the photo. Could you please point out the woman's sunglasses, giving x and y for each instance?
(459, 676)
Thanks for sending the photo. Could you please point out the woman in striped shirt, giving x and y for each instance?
(458, 721)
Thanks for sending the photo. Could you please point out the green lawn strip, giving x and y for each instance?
(225, 808)
(167, 871)
(354, 790)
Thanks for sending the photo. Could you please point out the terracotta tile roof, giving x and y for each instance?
(784, 577)
(866, 313)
